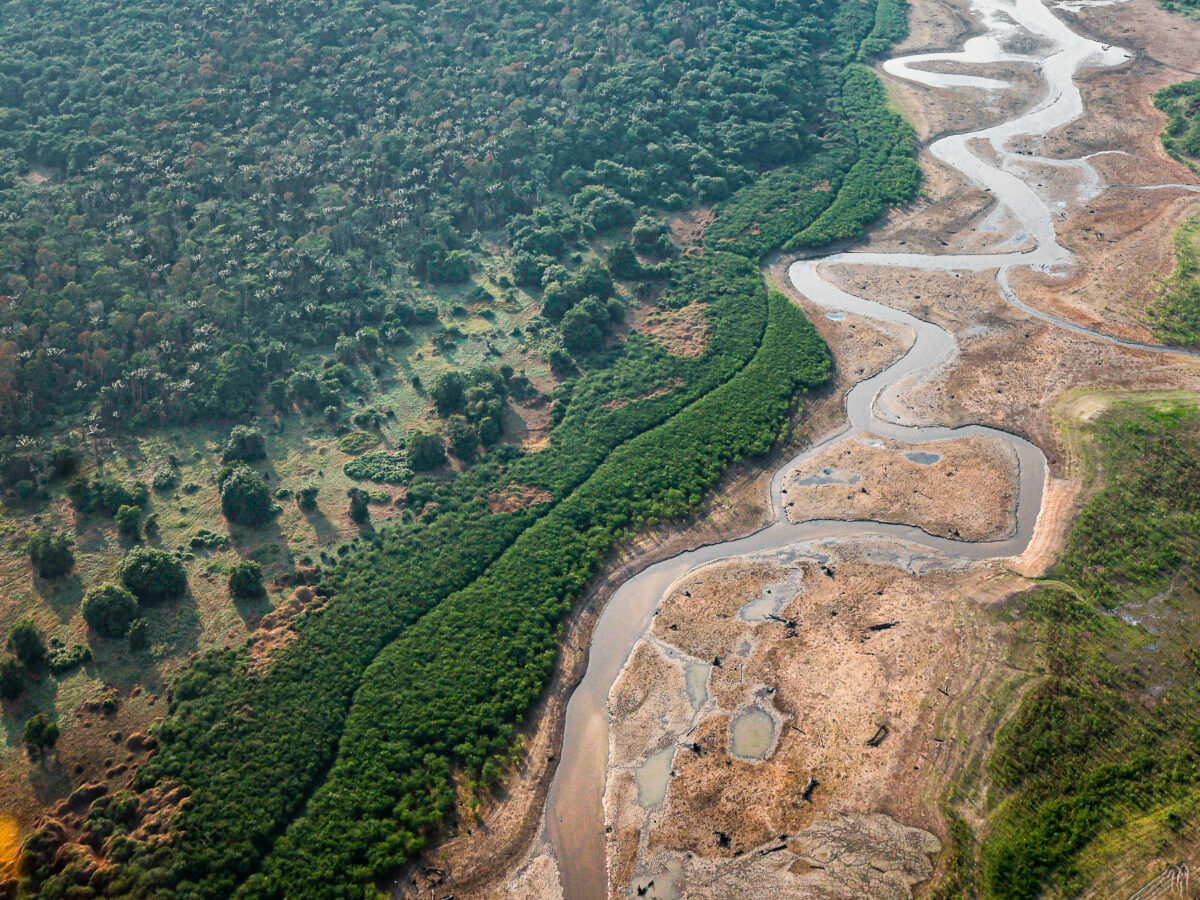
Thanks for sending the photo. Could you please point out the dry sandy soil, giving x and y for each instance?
(962, 488)
(867, 726)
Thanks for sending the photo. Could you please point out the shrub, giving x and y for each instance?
(51, 553)
(152, 574)
(426, 451)
(357, 441)
(379, 465)
(245, 444)
(39, 733)
(63, 659)
(129, 521)
(306, 497)
(245, 580)
(25, 640)
(109, 609)
(359, 511)
(164, 478)
(100, 494)
(12, 678)
(245, 498)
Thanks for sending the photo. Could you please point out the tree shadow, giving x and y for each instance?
(63, 595)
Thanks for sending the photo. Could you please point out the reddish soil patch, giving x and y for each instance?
(275, 630)
(687, 229)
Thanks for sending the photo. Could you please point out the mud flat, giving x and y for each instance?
(964, 488)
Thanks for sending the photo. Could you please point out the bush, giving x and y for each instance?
(245, 498)
(97, 494)
(356, 442)
(12, 678)
(306, 497)
(39, 733)
(426, 451)
(164, 478)
(152, 574)
(359, 511)
(245, 444)
(129, 521)
(51, 553)
(63, 659)
(109, 609)
(379, 465)
(245, 581)
(25, 640)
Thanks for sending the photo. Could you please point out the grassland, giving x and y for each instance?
(1098, 770)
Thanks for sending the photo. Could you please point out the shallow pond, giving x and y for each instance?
(751, 734)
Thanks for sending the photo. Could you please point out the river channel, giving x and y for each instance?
(574, 818)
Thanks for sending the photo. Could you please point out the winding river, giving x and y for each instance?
(574, 820)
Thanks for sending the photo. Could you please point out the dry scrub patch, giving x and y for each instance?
(687, 229)
(683, 331)
(517, 496)
(968, 492)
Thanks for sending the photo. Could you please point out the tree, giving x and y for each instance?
(426, 451)
(129, 521)
(245, 580)
(152, 574)
(489, 430)
(245, 498)
(278, 395)
(580, 333)
(39, 733)
(246, 444)
(464, 439)
(109, 609)
(622, 260)
(25, 640)
(359, 511)
(12, 678)
(51, 553)
(449, 394)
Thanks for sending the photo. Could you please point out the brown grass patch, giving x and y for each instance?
(275, 630)
(687, 228)
(517, 496)
(684, 331)
(622, 402)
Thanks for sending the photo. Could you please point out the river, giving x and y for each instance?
(574, 818)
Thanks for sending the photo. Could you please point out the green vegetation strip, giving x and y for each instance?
(1112, 733)
(448, 691)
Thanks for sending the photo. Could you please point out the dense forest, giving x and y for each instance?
(203, 203)
(191, 193)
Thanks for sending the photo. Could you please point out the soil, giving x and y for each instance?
(966, 489)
